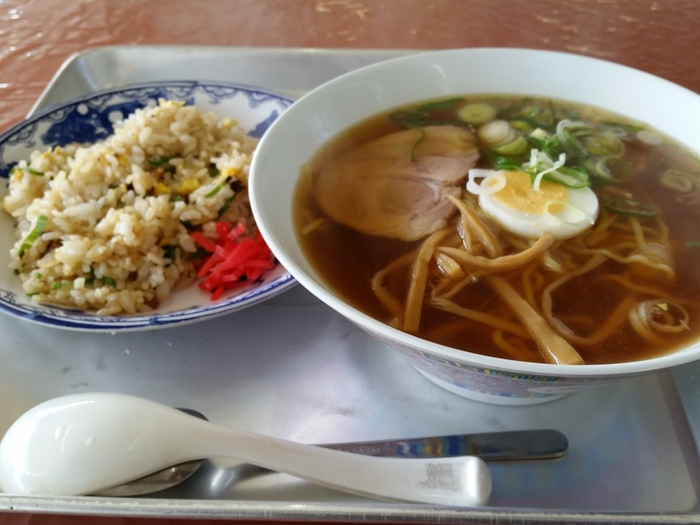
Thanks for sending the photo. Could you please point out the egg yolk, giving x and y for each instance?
(512, 200)
(518, 194)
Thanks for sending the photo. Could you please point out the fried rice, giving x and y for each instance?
(106, 227)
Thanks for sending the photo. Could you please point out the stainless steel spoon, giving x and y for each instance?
(489, 446)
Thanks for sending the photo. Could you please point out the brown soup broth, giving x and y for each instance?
(347, 260)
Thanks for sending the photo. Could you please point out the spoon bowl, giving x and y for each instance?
(105, 439)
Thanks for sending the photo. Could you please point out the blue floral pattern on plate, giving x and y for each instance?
(91, 118)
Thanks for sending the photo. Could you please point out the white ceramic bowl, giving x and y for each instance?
(333, 107)
(90, 118)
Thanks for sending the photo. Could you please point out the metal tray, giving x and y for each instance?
(293, 368)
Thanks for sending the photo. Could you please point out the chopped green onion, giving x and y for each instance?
(500, 163)
(477, 113)
(227, 204)
(420, 117)
(60, 284)
(516, 147)
(572, 144)
(545, 143)
(630, 207)
(33, 235)
(692, 244)
(609, 169)
(542, 167)
(29, 170)
(621, 129)
(496, 132)
(677, 180)
(535, 113)
(522, 126)
(539, 134)
(415, 146)
(159, 161)
(602, 144)
(571, 177)
(104, 280)
(533, 122)
(439, 104)
(169, 252)
(213, 192)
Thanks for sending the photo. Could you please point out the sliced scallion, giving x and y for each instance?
(477, 113)
(571, 177)
(104, 280)
(27, 169)
(501, 163)
(572, 144)
(496, 132)
(415, 146)
(159, 161)
(549, 145)
(603, 144)
(33, 235)
(609, 169)
(677, 180)
(421, 116)
(630, 207)
(227, 204)
(439, 105)
(213, 192)
(169, 252)
(107, 281)
(516, 147)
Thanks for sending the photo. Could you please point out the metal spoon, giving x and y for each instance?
(489, 446)
(103, 440)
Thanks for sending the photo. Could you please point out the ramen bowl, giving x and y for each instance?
(333, 107)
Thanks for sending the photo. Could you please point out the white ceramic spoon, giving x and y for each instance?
(84, 443)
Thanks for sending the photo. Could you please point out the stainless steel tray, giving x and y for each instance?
(293, 368)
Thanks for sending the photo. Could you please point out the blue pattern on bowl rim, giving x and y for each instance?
(90, 118)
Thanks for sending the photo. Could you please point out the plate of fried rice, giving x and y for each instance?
(128, 208)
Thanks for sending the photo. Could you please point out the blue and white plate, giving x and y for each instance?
(90, 118)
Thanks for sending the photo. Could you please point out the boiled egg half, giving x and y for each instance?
(517, 205)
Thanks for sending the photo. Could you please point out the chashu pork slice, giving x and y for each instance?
(397, 186)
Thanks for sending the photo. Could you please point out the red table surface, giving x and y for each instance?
(37, 36)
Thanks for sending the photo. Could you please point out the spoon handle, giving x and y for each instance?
(461, 481)
(489, 446)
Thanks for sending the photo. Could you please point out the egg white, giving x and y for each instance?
(514, 203)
